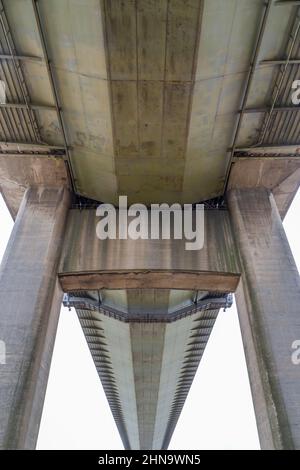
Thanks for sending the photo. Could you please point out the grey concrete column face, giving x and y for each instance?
(30, 300)
(268, 300)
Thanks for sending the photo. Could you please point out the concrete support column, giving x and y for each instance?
(268, 300)
(30, 300)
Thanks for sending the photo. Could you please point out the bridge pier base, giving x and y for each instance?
(268, 300)
(30, 301)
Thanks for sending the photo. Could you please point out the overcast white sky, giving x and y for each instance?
(218, 413)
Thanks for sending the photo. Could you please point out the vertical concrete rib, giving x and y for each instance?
(147, 343)
(268, 300)
(30, 300)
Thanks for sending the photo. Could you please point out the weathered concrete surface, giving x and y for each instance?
(154, 279)
(18, 172)
(89, 263)
(268, 300)
(280, 175)
(150, 90)
(30, 300)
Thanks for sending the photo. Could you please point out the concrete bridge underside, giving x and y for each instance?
(163, 101)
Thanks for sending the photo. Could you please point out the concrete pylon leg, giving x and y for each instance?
(30, 300)
(268, 300)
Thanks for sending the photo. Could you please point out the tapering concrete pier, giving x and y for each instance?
(268, 300)
(30, 302)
